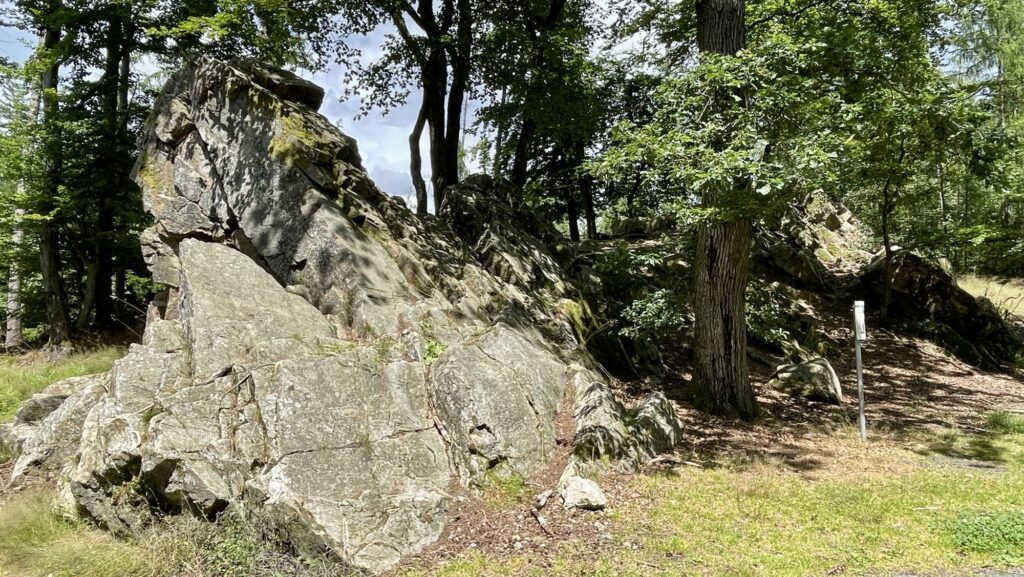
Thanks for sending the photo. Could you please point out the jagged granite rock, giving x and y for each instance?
(321, 356)
(814, 379)
(46, 425)
(818, 243)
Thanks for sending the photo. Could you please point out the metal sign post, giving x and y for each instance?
(861, 335)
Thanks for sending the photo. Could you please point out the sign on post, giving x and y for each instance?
(860, 335)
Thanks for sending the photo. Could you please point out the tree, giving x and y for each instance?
(722, 263)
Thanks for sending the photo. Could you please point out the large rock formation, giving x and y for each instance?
(322, 356)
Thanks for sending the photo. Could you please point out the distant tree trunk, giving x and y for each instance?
(460, 59)
(537, 32)
(99, 278)
(13, 338)
(416, 160)
(49, 230)
(722, 261)
(589, 213)
(498, 169)
(573, 210)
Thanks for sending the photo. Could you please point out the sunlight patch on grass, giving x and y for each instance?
(35, 543)
(22, 377)
(1007, 295)
(748, 518)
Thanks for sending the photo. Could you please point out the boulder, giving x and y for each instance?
(813, 380)
(321, 353)
(45, 428)
(817, 244)
(928, 298)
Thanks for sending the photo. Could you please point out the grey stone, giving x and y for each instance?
(813, 379)
(581, 493)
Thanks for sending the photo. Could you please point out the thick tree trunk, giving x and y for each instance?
(722, 261)
(438, 88)
(460, 59)
(720, 332)
(13, 337)
(49, 235)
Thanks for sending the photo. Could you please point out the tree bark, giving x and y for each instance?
(720, 330)
(722, 262)
(416, 158)
(13, 337)
(49, 230)
(460, 59)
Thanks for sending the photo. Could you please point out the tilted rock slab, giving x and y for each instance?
(322, 357)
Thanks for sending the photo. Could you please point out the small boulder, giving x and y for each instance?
(813, 379)
(580, 493)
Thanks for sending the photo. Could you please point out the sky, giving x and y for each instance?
(383, 139)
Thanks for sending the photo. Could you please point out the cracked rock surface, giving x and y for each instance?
(321, 355)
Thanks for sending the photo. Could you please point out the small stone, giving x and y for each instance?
(580, 493)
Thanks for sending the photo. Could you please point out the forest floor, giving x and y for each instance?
(938, 489)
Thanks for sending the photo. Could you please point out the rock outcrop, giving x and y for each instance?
(321, 355)
(924, 294)
(818, 243)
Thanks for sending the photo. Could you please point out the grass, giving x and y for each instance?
(1007, 294)
(21, 377)
(903, 512)
(35, 542)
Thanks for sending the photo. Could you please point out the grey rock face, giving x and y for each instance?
(322, 355)
(46, 426)
(814, 379)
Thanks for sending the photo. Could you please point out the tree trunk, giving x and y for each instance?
(13, 338)
(589, 213)
(460, 61)
(438, 88)
(573, 209)
(720, 330)
(416, 159)
(887, 267)
(49, 232)
(722, 261)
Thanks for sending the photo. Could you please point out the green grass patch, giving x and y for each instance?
(998, 535)
(1005, 423)
(36, 543)
(22, 377)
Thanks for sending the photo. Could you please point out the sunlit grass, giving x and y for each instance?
(766, 519)
(1007, 295)
(21, 377)
(36, 543)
